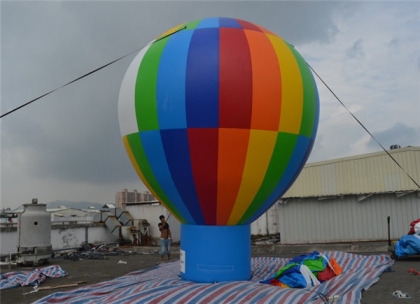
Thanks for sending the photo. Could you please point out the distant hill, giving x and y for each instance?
(75, 205)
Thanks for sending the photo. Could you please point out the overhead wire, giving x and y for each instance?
(360, 123)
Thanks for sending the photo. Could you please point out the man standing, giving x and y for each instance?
(165, 238)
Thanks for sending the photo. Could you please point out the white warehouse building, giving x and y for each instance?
(348, 199)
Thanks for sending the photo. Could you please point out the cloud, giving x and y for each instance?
(356, 51)
(380, 87)
(398, 134)
(418, 63)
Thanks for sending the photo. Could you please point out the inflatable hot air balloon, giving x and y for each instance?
(218, 117)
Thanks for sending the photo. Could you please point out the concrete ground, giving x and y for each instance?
(95, 271)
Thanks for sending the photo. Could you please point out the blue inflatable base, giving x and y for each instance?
(215, 253)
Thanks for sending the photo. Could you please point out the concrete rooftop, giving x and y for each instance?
(95, 271)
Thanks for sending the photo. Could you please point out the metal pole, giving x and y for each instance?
(389, 231)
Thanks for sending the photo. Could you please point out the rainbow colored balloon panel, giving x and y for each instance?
(218, 117)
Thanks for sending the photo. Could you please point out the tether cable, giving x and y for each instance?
(64, 85)
(87, 74)
(409, 176)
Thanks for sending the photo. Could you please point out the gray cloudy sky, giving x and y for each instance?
(67, 146)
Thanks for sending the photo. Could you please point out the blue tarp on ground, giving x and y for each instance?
(163, 285)
(408, 245)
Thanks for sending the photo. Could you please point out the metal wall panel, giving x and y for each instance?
(368, 173)
(267, 223)
(346, 219)
(260, 226)
(329, 180)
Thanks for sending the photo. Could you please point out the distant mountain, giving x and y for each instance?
(75, 205)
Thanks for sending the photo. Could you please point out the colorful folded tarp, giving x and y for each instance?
(306, 270)
(33, 277)
(414, 227)
(163, 285)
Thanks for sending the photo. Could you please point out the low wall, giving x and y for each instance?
(151, 213)
(66, 235)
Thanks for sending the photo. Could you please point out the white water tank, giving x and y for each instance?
(34, 233)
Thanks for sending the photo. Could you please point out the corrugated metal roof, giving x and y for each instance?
(367, 173)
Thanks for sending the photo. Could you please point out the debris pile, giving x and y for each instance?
(95, 252)
(265, 239)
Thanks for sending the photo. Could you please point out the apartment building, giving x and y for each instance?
(124, 196)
